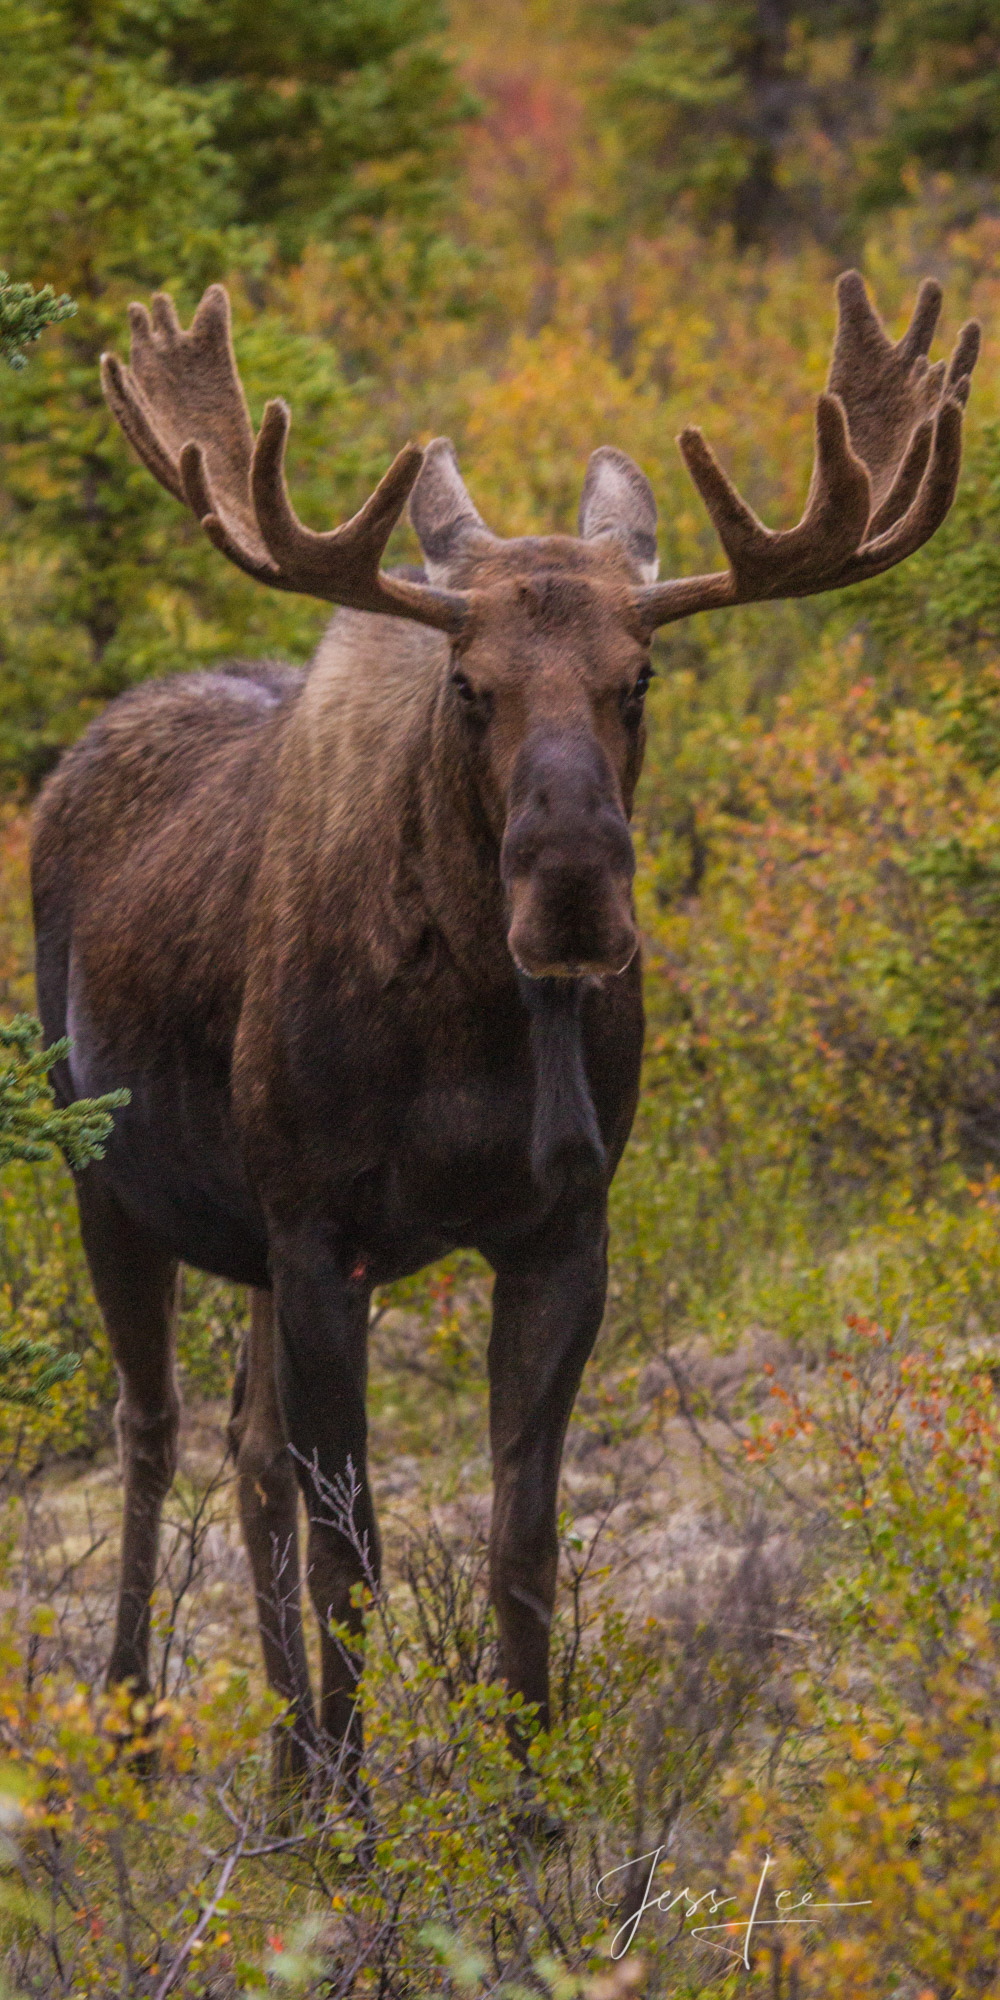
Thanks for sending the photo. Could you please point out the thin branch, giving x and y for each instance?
(178, 1963)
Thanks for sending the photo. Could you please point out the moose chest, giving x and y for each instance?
(411, 1132)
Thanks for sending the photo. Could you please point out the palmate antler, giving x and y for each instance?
(888, 449)
(181, 404)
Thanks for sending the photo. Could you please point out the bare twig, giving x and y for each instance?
(181, 1957)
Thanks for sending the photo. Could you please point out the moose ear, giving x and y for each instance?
(617, 499)
(442, 513)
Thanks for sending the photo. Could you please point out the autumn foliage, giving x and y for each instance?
(805, 1299)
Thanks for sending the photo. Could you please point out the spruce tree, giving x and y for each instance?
(24, 315)
(748, 111)
(938, 63)
(152, 146)
(331, 114)
(31, 1126)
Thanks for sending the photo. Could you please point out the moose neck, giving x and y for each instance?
(403, 849)
(566, 1143)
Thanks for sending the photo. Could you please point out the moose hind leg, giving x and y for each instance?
(268, 1499)
(135, 1279)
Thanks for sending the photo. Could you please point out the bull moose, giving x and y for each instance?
(360, 942)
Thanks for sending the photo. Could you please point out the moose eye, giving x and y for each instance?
(634, 696)
(463, 688)
(476, 705)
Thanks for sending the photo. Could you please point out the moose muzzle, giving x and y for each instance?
(567, 861)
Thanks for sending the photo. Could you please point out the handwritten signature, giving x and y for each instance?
(735, 1945)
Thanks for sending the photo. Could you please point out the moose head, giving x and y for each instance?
(550, 635)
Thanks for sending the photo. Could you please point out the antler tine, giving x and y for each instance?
(128, 407)
(926, 512)
(916, 341)
(246, 550)
(963, 361)
(906, 484)
(887, 389)
(935, 383)
(764, 563)
(181, 405)
(342, 564)
(888, 450)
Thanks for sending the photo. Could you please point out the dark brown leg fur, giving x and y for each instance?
(135, 1280)
(547, 1309)
(322, 1370)
(269, 1498)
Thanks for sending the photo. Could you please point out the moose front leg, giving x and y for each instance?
(322, 1322)
(548, 1303)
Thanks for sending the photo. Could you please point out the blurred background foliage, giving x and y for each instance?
(540, 227)
(571, 222)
